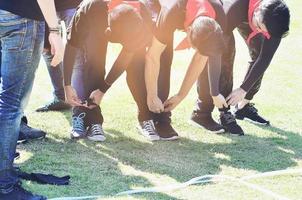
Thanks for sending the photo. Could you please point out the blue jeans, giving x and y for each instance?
(21, 43)
(55, 73)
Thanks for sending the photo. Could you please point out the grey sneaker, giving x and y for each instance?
(78, 126)
(147, 129)
(96, 133)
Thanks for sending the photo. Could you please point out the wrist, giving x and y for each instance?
(182, 95)
(57, 29)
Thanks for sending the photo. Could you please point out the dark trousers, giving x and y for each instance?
(205, 102)
(137, 86)
(89, 80)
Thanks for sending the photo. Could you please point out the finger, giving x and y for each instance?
(229, 97)
(225, 104)
(55, 61)
(168, 108)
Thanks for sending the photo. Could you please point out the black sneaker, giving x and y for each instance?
(165, 131)
(206, 121)
(19, 193)
(78, 126)
(55, 105)
(96, 133)
(250, 113)
(229, 123)
(147, 129)
(29, 133)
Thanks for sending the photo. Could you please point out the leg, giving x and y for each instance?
(162, 121)
(20, 57)
(136, 84)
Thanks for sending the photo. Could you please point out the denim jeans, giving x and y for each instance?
(21, 43)
(55, 73)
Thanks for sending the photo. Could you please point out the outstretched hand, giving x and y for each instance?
(236, 96)
(172, 102)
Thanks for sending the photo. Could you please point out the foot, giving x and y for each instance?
(29, 133)
(96, 133)
(165, 131)
(206, 121)
(229, 123)
(147, 129)
(16, 156)
(250, 113)
(55, 105)
(78, 126)
(19, 193)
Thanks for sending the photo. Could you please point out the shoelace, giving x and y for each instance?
(96, 129)
(228, 117)
(78, 122)
(251, 108)
(149, 127)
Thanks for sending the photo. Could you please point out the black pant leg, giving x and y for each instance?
(164, 81)
(205, 102)
(137, 86)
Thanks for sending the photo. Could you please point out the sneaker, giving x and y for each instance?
(147, 129)
(29, 133)
(55, 105)
(165, 131)
(206, 121)
(96, 133)
(78, 126)
(16, 156)
(229, 123)
(250, 113)
(19, 193)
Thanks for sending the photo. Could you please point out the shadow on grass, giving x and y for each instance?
(98, 167)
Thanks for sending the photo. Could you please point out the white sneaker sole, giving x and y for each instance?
(150, 138)
(97, 138)
(170, 139)
(254, 122)
(200, 126)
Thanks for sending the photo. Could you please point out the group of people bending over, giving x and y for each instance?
(145, 29)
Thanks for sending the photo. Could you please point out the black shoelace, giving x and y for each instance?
(251, 108)
(228, 117)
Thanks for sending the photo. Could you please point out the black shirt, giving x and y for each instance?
(24, 8)
(66, 4)
(237, 14)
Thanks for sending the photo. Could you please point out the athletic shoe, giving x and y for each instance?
(29, 133)
(19, 193)
(96, 133)
(16, 156)
(78, 126)
(206, 121)
(250, 113)
(229, 123)
(147, 129)
(165, 131)
(55, 105)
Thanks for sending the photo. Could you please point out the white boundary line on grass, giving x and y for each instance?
(204, 179)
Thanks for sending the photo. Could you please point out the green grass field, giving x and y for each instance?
(127, 161)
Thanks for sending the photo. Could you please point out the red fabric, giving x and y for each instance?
(113, 3)
(194, 9)
(253, 5)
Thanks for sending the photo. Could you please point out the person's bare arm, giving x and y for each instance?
(151, 75)
(197, 65)
(49, 12)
